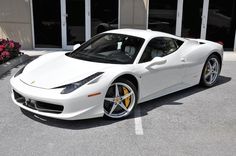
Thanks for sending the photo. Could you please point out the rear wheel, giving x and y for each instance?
(120, 99)
(211, 70)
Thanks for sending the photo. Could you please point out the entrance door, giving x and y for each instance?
(162, 15)
(221, 24)
(104, 15)
(73, 22)
(47, 23)
(192, 18)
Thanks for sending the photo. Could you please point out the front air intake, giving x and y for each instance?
(38, 105)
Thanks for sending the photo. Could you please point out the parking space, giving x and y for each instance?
(195, 121)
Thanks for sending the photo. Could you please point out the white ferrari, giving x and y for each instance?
(112, 72)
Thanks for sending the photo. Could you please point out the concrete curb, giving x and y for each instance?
(12, 63)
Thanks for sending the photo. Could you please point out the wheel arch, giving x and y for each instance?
(217, 54)
(130, 77)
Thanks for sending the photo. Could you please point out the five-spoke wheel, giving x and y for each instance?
(210, 71)
(120, 99)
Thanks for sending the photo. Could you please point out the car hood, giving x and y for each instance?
(54, 70)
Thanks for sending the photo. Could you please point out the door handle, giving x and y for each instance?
(182, 59)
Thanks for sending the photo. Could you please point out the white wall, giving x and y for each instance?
(15, 21)
(133, 13)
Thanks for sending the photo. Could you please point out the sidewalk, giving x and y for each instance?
(228, 55)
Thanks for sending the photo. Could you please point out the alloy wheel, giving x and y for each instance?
(211, 71)
(119, 100)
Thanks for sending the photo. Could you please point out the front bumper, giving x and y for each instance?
(75, 105)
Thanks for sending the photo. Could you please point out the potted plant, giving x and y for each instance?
(9, 49)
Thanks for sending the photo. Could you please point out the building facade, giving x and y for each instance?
(59, 24)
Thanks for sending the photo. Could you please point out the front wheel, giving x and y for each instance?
(210, 72)
(120, 99)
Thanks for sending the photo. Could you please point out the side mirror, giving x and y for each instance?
(156, 61)
(76, 46)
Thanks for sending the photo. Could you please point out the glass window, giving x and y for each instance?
(221, 22)
(162, 15)
(47, 23)
(104, 15)
(110, 48)
(75, 21)
(192, 13)
(159, 47)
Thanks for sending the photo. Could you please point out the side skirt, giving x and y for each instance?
(166, 91)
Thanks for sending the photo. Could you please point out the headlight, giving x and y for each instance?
(73, 86)
(19, 72)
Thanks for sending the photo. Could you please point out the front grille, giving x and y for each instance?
(38, 105)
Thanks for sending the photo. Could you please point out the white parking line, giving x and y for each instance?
(138, 122)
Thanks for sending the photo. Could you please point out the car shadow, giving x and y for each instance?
(144, 107)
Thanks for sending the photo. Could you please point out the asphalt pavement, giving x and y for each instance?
(195, 121)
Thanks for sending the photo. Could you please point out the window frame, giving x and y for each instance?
(164, 37)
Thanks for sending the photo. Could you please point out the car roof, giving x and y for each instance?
(146, 34)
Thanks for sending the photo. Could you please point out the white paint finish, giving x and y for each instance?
(204, 19)
(179, 17)
(56, 69)
(138, 122)
(87, 19)
(162, 75)
(76, 46)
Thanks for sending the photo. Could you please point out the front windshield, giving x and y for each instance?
(110, 48)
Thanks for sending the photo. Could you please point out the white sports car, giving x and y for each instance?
(112, 72)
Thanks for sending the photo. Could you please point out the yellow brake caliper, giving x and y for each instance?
(127, 100)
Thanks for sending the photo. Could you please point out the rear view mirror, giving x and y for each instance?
(76, 46)
(158, 61)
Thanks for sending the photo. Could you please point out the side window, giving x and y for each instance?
(179, 43)
(159, 47)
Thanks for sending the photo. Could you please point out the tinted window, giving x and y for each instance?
(221, 24)
(104, 15)
(75, 21)
(162, 15)
(159, 47)
(110, 48)
(47, 23)
(179, 43)
(192, 18)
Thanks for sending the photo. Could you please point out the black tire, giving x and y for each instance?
(131, 85)
(206, 81)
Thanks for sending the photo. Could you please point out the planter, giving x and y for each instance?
(12, 63)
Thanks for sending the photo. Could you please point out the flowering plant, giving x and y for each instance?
(8, 50)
